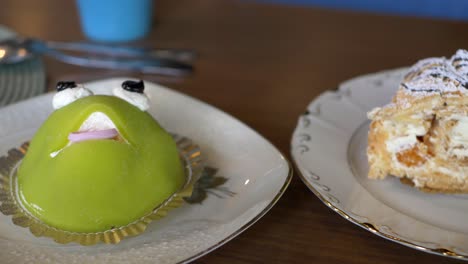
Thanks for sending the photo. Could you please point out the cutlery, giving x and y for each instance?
(173, 62)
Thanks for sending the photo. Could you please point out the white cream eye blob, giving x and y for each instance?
(132, 92)
(67, 95)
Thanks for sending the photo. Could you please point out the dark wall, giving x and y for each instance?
(445, 9)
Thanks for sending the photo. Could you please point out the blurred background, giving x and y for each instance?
(444, 9)
(297, 41)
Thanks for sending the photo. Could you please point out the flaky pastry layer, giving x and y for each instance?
(422, 135)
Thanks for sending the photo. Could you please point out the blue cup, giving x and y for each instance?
(115, 20)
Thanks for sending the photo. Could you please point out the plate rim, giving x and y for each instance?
(252, 221)
(341, 90)
(279, 192)
(372, 228)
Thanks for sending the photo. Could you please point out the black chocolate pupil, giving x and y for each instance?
(133, 86)
(65, 85)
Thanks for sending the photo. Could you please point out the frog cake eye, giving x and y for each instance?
(68, 92)
(132, 86)
(133, 92)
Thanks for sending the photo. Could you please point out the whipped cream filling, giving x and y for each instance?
(418, 182)
(460, 174)
(69, 95)
(458, 144)
(139, 100)
(416, 130)
(401, 143)
(95, 122)
(408, 136)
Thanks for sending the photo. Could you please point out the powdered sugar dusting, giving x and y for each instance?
(404, 103)
(460, 62)
(438, 75)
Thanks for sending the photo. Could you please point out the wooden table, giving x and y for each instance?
(264, 64)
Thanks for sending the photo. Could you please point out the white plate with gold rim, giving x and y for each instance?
(329, 149)
(244, 178)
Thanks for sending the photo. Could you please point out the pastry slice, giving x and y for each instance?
(422, 135)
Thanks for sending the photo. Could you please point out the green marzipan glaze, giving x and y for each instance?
(94, 185)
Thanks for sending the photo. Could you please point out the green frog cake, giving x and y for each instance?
(98, 162)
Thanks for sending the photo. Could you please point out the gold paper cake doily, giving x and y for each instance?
(11, 205)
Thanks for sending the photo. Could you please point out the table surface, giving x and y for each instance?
(263, 64)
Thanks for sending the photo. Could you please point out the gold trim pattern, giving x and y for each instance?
(10, 205)
(374, 229)
(345, 90)
(329, 199)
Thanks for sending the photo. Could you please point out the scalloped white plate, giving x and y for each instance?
(329, 149)
(255, 176)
